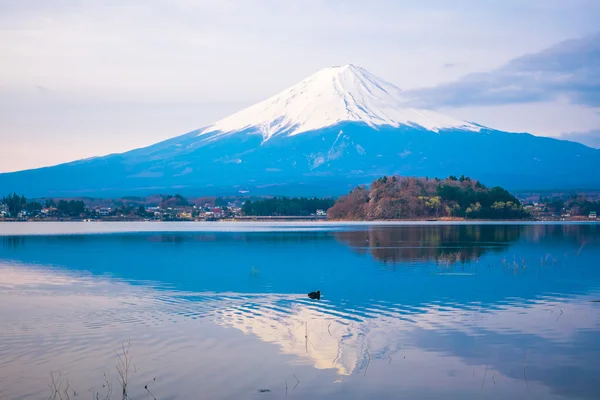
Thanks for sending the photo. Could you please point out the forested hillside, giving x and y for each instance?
(423, 198)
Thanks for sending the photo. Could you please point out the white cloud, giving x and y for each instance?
(590, 138)
(568, 70)
(549, 118)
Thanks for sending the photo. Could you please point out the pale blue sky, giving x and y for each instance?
(85, 78)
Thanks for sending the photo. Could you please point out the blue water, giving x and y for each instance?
(220, 311)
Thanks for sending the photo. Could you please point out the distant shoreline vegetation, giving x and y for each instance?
(287, 206)
(388, 198)
(401, 198)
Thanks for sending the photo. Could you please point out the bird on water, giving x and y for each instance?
(315, 295)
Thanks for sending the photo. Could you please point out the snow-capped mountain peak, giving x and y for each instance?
(328, 97)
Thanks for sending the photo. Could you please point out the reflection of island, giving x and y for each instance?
(440, 243)
(435, 337)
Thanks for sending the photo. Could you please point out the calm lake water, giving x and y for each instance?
(219, 311)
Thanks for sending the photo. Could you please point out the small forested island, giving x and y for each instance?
(411, 198)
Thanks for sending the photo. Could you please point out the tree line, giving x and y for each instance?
(286, 206)
(16, 203)
(576, 204)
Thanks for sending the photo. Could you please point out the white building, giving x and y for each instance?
(104, 211)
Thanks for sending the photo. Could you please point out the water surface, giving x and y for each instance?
(454, 311)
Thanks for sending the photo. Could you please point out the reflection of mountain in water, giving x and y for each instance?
(348, 340)
(316, 332)
(491, 318)
(326, 335)
(440, 243)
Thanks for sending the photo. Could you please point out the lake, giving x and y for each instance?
(220, 311)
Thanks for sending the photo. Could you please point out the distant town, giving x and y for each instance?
(388, 198)
(162, 208)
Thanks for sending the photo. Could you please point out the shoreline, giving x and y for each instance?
(66, 228)
(296, 219)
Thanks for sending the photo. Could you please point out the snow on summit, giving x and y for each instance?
(331, 96)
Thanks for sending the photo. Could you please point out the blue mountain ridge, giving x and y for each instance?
(328, 161)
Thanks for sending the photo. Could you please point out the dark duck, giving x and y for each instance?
(315, 295)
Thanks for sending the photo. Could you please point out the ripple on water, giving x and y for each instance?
(229, 344)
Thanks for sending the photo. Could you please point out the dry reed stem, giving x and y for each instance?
(484, 375)
(525, 372)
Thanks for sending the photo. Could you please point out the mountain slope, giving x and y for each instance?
(336, 129)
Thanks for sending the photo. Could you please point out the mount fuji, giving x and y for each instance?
(336, 129)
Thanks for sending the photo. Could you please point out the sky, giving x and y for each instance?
(87, 78)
